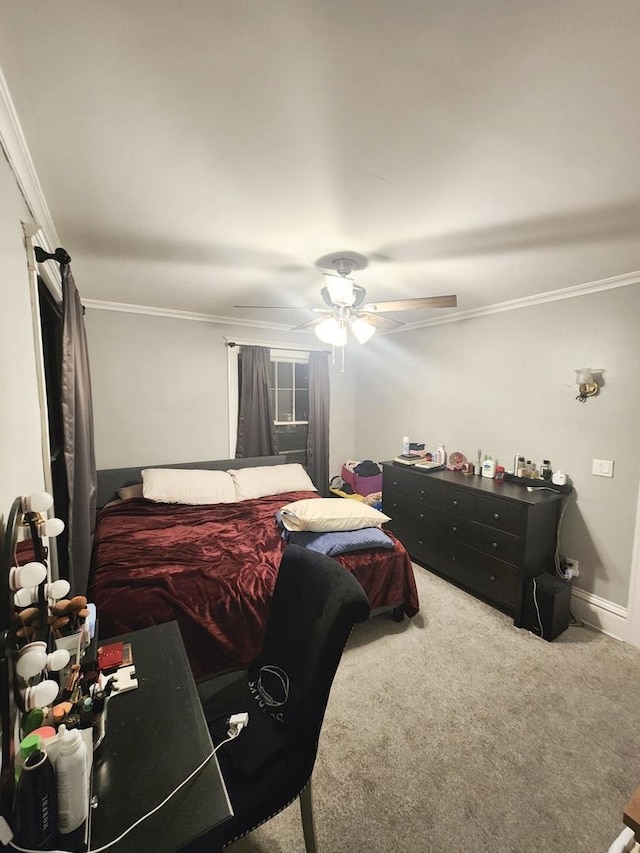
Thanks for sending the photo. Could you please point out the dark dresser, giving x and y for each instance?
(488, 537)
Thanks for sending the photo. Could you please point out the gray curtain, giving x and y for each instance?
(256, 430)
(77, 419)
(318, 435)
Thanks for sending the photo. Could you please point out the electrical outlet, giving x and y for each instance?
(572, 569)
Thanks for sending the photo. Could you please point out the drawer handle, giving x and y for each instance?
(496, 515)
(421, 493)
(494, 545)
(453, 559)
(454, 529)
(455, 503)
(421, 516)
(493, 577)
(420, 542)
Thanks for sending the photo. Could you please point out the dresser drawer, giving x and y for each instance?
(416, 485)
(497, 543)
(421, 544)
(401, 506)
(501, 514)
(489, 577)
(458, 527)
(458, 502)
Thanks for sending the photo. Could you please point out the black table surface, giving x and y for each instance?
(156, 736)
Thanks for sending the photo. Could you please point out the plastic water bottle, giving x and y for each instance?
(71, 775)
(405, 445)
(441, 455)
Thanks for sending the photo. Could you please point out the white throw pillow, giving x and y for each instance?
(323, 515)
(187, 486)
(270, 480)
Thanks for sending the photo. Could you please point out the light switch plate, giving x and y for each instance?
(602, 468)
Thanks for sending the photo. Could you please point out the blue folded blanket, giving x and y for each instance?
(338, 542)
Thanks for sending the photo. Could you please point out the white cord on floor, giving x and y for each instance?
(535, 601)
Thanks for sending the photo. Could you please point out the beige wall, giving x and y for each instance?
(21, 465)
(160, 389)
(505, 383)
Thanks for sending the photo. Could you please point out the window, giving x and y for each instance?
(290, 384)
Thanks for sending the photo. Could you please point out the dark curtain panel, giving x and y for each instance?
(77, 418)
(256, 430)
(318, 435)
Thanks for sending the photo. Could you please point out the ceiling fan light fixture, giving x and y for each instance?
(362, 330)
(340, 290)
(332, 331)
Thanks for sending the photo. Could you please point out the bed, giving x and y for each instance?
(212, 567)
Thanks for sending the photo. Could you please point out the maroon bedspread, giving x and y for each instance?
(213, 569)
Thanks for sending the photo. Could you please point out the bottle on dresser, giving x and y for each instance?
(545, 470)
(71, 775)
(489, 467)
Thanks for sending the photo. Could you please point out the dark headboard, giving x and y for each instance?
(112, 479)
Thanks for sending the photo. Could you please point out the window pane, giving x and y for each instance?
(292, 440)
(302, 405)
(285, 374)
(302, 374)
(272, 367)
(285, 406)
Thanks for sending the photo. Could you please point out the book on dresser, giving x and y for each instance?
(409, 458)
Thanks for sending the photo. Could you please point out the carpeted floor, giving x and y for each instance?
(455, 731)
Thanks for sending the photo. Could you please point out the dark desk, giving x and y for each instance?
(156, 736)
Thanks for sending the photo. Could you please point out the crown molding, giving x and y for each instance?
(527, 301)
(175, 314)
(17, 152)
(512, 305)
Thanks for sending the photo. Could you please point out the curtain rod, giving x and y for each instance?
(234, 342)
(60, 255)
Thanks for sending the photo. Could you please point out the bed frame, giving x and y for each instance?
(109, 480)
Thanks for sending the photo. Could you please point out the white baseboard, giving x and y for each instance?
(599, 613)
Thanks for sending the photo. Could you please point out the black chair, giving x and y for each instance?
(315, 604)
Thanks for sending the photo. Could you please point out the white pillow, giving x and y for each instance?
(270, 480)
(324, 515)
(187, 486)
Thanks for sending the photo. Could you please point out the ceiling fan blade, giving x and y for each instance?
(279, 307)
(311, 323)
(377, 320)
(409, 304)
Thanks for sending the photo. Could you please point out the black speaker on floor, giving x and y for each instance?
(546, 607)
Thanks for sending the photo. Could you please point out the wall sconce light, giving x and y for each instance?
(589, 380)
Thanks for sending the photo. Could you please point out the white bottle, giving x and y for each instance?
(559, 478)
(489, 467)
(405, 445)
(71, 776)
(441, 455)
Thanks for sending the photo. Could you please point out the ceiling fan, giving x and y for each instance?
(347, 312)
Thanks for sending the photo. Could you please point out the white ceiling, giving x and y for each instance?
(204, 153)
